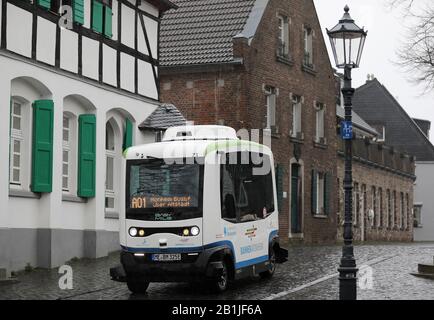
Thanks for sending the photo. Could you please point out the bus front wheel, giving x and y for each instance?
(220, 283)
(271, 267)
(137, 287)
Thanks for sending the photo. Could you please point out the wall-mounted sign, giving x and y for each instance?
(346, 130)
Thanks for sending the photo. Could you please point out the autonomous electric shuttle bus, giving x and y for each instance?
(199, 206)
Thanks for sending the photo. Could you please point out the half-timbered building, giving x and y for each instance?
(77, 77)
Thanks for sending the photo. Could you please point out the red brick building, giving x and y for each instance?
(262, 64)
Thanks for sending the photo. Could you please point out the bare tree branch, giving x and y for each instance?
(416, 55)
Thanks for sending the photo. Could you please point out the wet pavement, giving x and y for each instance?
(310, 274)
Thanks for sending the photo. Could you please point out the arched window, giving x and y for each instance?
(19, 144)
(69, 153)
(113, 147)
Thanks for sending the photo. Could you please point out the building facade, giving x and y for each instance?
(383, 181)
(77, 90)
(262, 64)
(377, 106)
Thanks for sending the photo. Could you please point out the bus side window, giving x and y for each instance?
(228, 207)
(243, 193)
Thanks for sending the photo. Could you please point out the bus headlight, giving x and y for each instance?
(195, 231)
(133, 232)
(185, 232)
(141, 233)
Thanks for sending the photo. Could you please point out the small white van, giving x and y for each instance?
(200, 205)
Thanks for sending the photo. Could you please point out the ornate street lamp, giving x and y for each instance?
(347, 41)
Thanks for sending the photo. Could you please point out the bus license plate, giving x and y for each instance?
(166, 257)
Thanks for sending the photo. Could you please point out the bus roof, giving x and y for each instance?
(191, 148)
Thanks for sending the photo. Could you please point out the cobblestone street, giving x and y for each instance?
(310, 273)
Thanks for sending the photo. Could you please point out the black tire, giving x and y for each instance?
(221, 283)
(137, 287)
(272, 266)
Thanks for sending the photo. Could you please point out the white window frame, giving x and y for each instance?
(297, 108)
(320, 191)
(271, 102)
(417, 211)
(308, 46)
(16, 135)
(111, 154)
(66, 147)
(380, 216)
(320, 122)
(283, 36)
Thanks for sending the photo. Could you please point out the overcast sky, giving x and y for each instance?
(386, 29)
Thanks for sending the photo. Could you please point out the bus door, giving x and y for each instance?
(247, 201)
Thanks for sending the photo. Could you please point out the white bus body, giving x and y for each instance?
(202, 204)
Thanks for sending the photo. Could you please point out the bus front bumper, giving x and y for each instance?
(196, 268)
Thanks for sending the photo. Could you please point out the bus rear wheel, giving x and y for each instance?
(271, 267)
(137, 287)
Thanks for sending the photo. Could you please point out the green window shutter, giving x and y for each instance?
(279, 185)
(42, 146)
(128, 135)
(97, 16)
(45, 4)
(314, 190)
(78, 7)
(108, 21)
(327, 192)
(86, 155)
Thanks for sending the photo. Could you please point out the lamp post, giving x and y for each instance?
(347, 41)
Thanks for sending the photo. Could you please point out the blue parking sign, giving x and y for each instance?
(347, 130)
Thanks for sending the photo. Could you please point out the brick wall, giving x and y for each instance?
(233, 95)
(380, 167)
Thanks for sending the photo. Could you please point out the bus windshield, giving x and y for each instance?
(157, 191)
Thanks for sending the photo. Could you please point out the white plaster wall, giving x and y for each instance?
(115, 20)
(50, 211)
(69, 50)
(423, 193)
(141, 41)
(46, 41)
(109, 65)
(1, 1)
(127, 29)
(87, 13)
(146, 6)
(146, 80)
(152, 31)
(19, 30)
(90, 58)
(127, 72)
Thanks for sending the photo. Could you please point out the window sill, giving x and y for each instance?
(320, 216)
(17, 193)
(309, 69)
(296, 140)
(320, 145)
(72, 198)
(112, 215)
(285, 60)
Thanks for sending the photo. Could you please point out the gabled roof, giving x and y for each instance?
(376, 105)
(202, 31)
(165, 116)
(357, 121)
